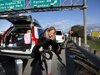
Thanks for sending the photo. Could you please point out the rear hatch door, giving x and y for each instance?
(18, 20)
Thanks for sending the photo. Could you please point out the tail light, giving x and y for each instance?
(62, 37)
(3, 35)
(34, 39)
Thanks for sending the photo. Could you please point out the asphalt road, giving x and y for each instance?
(30, 68)
(8, 65)
(57, 68)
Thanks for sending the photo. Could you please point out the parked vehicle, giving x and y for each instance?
(12, 43)
(60, 38)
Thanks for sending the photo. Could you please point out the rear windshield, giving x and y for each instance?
(58, 33)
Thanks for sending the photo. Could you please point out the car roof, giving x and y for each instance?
(59, 30)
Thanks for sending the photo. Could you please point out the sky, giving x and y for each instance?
(64, 19)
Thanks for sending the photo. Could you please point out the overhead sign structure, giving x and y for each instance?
(6, 5)
(44, 3)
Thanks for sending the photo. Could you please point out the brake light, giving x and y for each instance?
(62, 37)
(3, 35)
(34, 39)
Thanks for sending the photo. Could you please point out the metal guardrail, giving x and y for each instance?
(93, 58)
(77, 57)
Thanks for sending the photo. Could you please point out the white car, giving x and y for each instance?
(60, 38)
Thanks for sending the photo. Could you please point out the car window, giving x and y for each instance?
(58, 33)
(36, 24)
(40, 31)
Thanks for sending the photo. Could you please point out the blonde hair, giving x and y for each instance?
(51, 28)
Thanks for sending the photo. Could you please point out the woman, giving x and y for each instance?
(46, 41)
(47, 38)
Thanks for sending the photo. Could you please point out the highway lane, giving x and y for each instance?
(8, 65)
(30, 68)
(56, 67)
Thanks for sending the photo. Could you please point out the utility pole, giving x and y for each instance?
(84, 22)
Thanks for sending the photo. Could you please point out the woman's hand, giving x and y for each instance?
(41, 49)
(50, 47)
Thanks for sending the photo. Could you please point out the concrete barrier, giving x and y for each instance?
(19, 66)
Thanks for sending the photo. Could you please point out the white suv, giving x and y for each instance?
(60, 37)
(12, 39)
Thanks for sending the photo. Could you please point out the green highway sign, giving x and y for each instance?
(6, 5)
(44, 3)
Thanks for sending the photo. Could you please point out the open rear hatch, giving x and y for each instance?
(20, 23)
(18, 20)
